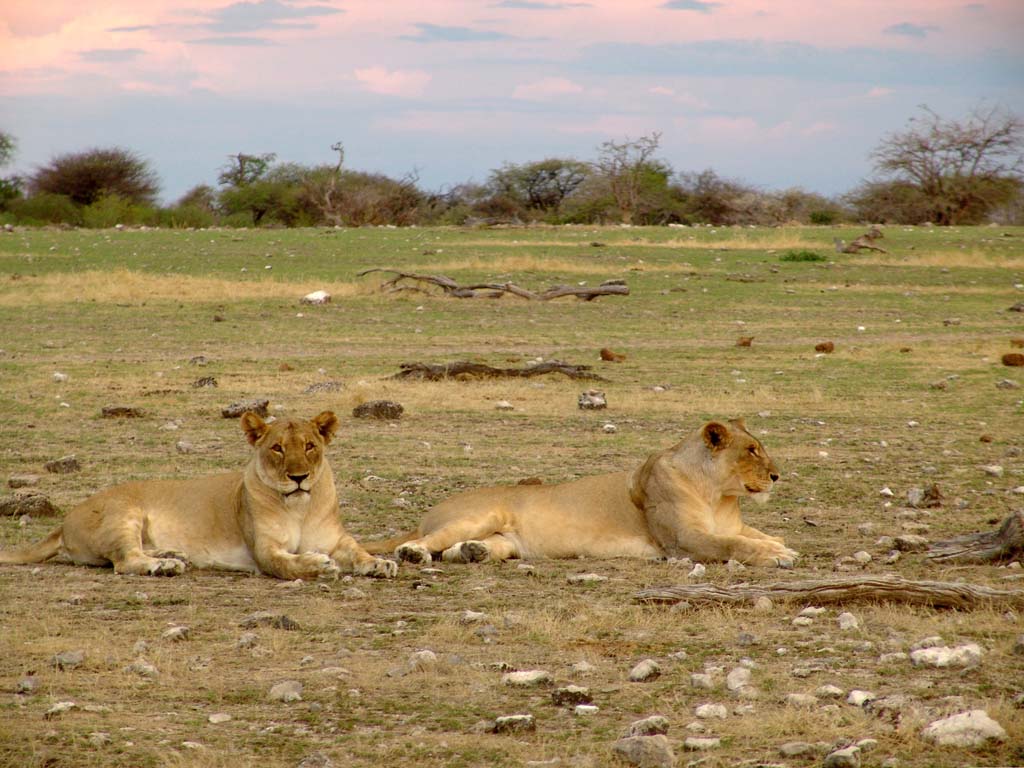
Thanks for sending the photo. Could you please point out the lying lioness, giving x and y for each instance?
(681, 502)
(279, 516)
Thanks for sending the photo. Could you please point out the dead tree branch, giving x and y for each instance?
(1005, 543)
(937, 594)
(465, 370)
(400, 282)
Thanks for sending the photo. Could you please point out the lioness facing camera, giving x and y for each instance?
(278, 516)
(683, 501)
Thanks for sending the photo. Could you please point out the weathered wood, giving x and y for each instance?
(937, 594)
(466, 370)
(1005, 543)
(494, 290)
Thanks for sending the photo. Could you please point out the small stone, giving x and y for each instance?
(812, 611)
(862, 557)
(646, 670)
(59, 709)
(830, 692)
(141, 648)
(932, 641)
(421, 660)
(609, 429)
(286, 692)
(737, 678)
(867, 745)
(142, 668)
(570, 695)
(649, 726)
(99, 738)
(235, 410)
(504, 405)
(701, 680)
(472, 617)
(911, 542)
(268, 619)
(967, 729)
(316, 298)
(886, 492)
(583, 668)
(583, 710)
(801, 700)
(383, 410)
(763, 604)
(993, 470)
(23, 481)
(63, 466)
(176, 634)
(526, 678)
(847, 621)
(849, 757)
(316, 760)
(968, 655)
(68, 659)
(514, 724)
(219, 717)
(697, 572)
(711, 711)
(797, 749)
(646, 751)
(701, 743)
(585, 578)
(592, 400)
(27, 684)
(247, 640)
(860, 698)
(31, 504)
(1007, 384)
(802, 621)
(59, 377)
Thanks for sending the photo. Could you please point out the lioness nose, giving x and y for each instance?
(297, 479)
(774, 476)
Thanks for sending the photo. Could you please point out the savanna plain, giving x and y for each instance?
(914, 395)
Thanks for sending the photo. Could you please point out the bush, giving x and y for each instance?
(86, 177)
(187, 217)
(824, 218)
(45, 208)
(803, 255)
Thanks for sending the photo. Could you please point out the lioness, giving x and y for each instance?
(279, 516)
(683, 501)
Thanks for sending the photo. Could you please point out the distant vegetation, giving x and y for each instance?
(938, 171)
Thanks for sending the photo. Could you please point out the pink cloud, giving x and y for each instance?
(546, 89)
(396, 82)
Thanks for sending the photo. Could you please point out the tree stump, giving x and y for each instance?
(1005, 543)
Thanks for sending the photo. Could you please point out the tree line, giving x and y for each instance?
(937, 170)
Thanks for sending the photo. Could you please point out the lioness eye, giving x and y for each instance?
(310, 446)
(753, 449)
(276, 448)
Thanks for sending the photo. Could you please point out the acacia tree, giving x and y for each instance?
(541, 185)
(85, 177)
(629, 169)
(243, 169)
(962, 168)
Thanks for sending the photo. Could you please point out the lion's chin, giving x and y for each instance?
(761, 497)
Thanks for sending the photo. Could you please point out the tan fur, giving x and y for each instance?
(278, 516)
(683, 501)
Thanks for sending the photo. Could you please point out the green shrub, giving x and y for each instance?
(803, 255)
(824, 217)
(107, 212)
(187, 216)
(45, 208)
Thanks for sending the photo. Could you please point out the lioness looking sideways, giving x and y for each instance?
(683, 501)
(278, 516)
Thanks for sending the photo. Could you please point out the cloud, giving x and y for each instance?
(684, 99)
(906, 29)
(433, 33)
(532, 5)
(240, 41)
(975, 7)
(546, 89)
(110, 55)
(879, 92)
(690, 5)
(396, 82)
(139, 28)
(265, 14)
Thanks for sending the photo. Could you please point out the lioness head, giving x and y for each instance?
(740, 462)
(290, 452)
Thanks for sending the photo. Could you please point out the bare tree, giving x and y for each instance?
(962, 168)
(628, 167)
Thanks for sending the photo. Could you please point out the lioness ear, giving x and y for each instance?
(716, 436)
(325, 424)
(253, 426)
(739, 424)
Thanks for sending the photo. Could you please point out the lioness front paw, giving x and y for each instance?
(779, 556)
(378, 568)
(414, 553)
(318, 566)
(166, 566)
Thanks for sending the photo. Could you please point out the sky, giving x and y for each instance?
(776, 93)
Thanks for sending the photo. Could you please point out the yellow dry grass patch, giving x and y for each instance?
(973, 259)
(504, 265)
(126, 286)
(760, 240)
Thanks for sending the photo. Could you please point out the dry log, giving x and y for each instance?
(865, 242)
(937, 594)
(400, 282)
(465, 370)
(1005, 543)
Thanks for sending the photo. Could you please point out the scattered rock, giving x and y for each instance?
(59, 377)
(993, 470)
(218, 717)
(910, 542)
(611, 357)
(701, 743)
(967, 729)
(592, 400)
(184, 446)
(34, 504)
(247, 640)
(63, 466)
(200, 360)
(829, 691)
(925, 498)
(585, 578)
(504, 405)
(825, 347)
(204, 381)
(646, 751)
(268, 619)
(235, 410)
(698, 571)
(968, 655)
(59, 709)
(702, 680)
(121, 412)
(801, 700)
(526, 678)
(27, 684)
(737, 678)
(581, 710)
(1007, 384)
(711, 712)
(142, 668)
(847, 621)
(649, 726)
(316, 297)
(1013, 359)
(610, 429)
(23, 481)
(848, 757)
(176, 634)
(323, 387)
(68, 659)
(385, 410)
(763, 604)
(860, 698)
(514, 724)
(797, 749)
(582, 668)
(286, 692)
(571, 695)
(646, 670)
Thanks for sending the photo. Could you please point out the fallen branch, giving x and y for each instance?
(1005, 543)
(937, 594)
(465, 370)
(494, 290)
(865, 242)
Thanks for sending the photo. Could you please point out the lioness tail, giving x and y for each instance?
(387, 546)
(34, 553)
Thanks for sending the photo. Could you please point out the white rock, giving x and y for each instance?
(698, 571)
(472, 617)
(862, 557)
(848, 621)
(801, 700)
(763, 604)
(316, 297)
(421, 660)
(648, 669)
(610, 429)
(830, 692)
(967, 729)
(585, 578)
(59, 709)
(504, 405)
(710, 711)
(860, 698)
(701, 743)
(811, 611)
(993, 470)
(737, 678)
(526, 678)
(219, 717)
(700, 680)
(583, 710)
(59, 377)
(848, 757)
(803, 621)
(288, 691)
(142, 668)
(968, 655)
(887, 492)
(583, 668)
(932, 641)
(176, 634)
